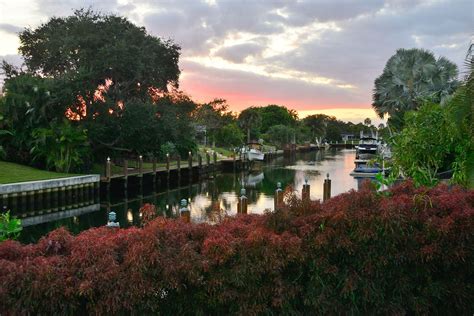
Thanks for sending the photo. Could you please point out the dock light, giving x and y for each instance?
(279, 185)
(242, 192)
(327, 175)
(306, 181)
(140, 156)
(108, 158)
(189, 153)
(167, 155)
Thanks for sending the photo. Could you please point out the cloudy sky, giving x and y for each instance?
(315, 56)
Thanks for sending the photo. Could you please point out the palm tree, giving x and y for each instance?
(410, 77)
(250, 119)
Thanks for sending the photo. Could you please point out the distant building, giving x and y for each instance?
(347, 137)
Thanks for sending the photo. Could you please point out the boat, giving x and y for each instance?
(253, 152)
(366, 152)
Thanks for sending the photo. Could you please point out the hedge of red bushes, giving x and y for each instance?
(360, 252)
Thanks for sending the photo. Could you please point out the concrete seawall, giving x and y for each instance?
(19, 187)
(45, 196)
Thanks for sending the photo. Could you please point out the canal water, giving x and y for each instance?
(211, 199)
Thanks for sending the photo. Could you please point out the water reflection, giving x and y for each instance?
(211, 200)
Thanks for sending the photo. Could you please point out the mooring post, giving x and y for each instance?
(178, 164)
(327, 188)
(208, 160)
(242, 204)
(215, 160)
(184, 212)
(278, 199)
(200, 164)
(190, 165)
(108, 169)
(167, 169)
(306, 191)
(233, 159)
(140, 166)
(125, 174)
(153, 163)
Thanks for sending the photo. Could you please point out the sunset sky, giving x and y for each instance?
(315, 56)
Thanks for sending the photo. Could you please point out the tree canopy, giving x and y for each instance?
(409, 78)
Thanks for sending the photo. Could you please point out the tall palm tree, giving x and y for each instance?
(410, 77)
(250, 119)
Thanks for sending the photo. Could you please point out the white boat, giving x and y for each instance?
(253, 152)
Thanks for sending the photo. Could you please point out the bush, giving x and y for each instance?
(403, 253)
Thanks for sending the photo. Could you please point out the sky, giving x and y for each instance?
(314, 56)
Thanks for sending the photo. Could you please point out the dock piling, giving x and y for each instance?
(242, 204)
(327, 188)
(305, 195)
(278, 199)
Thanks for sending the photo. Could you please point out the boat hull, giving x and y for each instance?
(254, 155)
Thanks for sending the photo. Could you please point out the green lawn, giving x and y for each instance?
(12, 172)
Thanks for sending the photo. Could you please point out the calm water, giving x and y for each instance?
(209, 196)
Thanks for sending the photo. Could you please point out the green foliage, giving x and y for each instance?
(426, 145)
(383, 182)
(250, 120)
(109, 75)
(103, 46)
(280, 135)
(62, 146)
(272, 115)
(167, 148)
(10, 227)
(230, 136)
(213, 115)
(411, 77)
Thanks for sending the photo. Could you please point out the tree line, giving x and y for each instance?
(95, 85)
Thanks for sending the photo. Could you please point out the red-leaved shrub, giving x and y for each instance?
(406, 252)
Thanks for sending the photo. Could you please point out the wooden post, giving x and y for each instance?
(327, 188)
(233, 160)
(31, 200)
(178, 163)
(167, 170)
(125, 174)
(305, 195)
(54, 198)
(140, 166)
(108, 169)
(190, 166)
(154, 168)
(200, 164)
(242, 205)
(184, 212)
(278, 198)
(13, 202)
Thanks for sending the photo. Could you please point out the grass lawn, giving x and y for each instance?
(12, 172)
